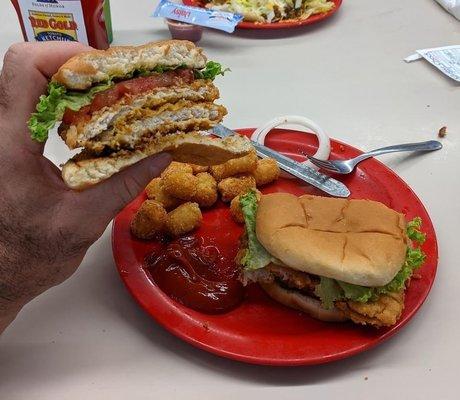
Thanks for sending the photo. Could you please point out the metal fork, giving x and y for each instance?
(347, 166)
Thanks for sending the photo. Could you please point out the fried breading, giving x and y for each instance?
(177, 167)
(149, 220)
(206, 190)
(383, 312)
(154, 191)
(234, 167)
(179, 184)
(267, 171)
(183, 219)
(292, 278)
(196, 169)
(231, 187)
(235, 208)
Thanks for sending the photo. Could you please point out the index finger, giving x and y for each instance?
(27, 67)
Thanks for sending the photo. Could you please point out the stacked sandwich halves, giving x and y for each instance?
(125, 103)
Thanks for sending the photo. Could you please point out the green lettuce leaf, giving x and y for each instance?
(51, 107)
(211, 70)
(256, 256)
(413, 231)
(329, 291)
(357, 293)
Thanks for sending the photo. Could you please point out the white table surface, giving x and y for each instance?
(87, 339)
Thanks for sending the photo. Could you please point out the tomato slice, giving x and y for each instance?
(133, 86)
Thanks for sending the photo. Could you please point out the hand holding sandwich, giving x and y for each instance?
(46, 228)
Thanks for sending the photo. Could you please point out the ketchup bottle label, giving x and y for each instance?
(53, 20)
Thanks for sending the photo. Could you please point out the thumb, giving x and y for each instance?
(108, 198)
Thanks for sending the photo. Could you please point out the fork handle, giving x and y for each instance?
(429, 145)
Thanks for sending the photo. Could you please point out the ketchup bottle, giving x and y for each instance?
(85, 21)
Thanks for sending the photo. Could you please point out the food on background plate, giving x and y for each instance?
(149, 220)
(183, 219)
(272, 10)
(331, 258)
(126, 103)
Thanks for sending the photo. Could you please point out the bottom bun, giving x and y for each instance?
(83, 171)
(301, 302)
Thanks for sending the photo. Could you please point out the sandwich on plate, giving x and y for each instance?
(126, 103)
(333, 259)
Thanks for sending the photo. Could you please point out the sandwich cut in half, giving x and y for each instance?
(333, 259)
(125, 103)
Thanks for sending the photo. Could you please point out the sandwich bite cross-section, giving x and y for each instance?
(126, 103)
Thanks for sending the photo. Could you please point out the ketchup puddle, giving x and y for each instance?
(196, 275)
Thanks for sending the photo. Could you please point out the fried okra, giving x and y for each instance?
(206, 190)
(182, 185)
(231, 187)
(177, 167)
(267, 171)
(183, 219)
(196, 169)
(235, 166)
(149, 220)
(154, 191)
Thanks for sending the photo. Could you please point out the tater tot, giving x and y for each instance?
(181, 185)
(149, 220)
(177, 167)
(229, 188)
(154, 191)
(235, 166)
(196, 169)
(206, 190)
(183, 219)
(267, 171)
(235, 208)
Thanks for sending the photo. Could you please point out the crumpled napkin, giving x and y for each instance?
(452, 6)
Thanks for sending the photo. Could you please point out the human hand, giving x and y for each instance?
(46, 228)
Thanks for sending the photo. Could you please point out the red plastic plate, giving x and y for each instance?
(261, 331)
(276, 25)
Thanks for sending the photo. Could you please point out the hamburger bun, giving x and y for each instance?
(361, 242)
(304, 303)
(88, 68)
(85, 170)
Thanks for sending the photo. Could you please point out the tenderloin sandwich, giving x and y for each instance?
(126, 103)
(333, 259)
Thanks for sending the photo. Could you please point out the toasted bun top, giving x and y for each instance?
(362, 242)
(85, 69)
